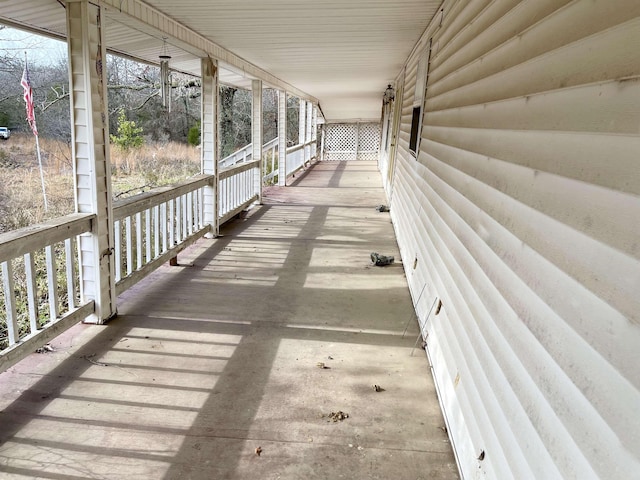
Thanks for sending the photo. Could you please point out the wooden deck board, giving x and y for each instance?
(211, 359)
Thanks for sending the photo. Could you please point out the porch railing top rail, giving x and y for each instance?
(25, 240)
(245, 153)
(137, 203)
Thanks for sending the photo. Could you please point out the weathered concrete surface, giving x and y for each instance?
(219, 356)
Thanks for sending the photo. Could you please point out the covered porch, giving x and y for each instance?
(211, 359)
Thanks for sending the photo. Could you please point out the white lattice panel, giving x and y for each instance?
(351, 141)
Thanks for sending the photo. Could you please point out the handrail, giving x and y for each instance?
(297, 147)
(137, 203)
(235, 169)
(149, 229)
(152, 227)
(24, 240)
(245, 153)
(33, 253)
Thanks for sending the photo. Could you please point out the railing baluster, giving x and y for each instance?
(71, 270)
(163, 226)
(190, 212)
(129, 241)
(147, 234)
(32, 290)
(178, 219)
(156, 231)
(172, 223)
(185, 216)
(139, 239)
(52, 282)
(10, 302)
(118, 248)
(200, 197)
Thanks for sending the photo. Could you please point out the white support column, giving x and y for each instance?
(309, 120)
(314, 132)
(209, 141)
(314, 123)
(301, 122)
(307, 134)
(282, 138)
(256, 134)
(90, 150)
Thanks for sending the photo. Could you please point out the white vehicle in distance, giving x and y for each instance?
(5, 133)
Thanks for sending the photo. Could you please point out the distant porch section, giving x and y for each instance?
(350, 141)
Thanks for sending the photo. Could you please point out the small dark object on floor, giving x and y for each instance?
(45, 349)
(381, 260)
(337, 416)
(378, 388)
(258, 451)
(321, 365)
(382, 208)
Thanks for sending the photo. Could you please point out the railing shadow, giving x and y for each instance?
(206, 361)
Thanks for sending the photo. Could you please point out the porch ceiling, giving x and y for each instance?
(341, 52)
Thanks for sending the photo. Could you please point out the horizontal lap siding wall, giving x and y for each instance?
(521, 213)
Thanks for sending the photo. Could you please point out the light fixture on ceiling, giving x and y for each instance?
(388, 95)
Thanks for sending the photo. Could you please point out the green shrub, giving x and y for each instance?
(193, 137)
(129, 135)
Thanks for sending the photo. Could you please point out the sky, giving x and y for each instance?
(40, 50)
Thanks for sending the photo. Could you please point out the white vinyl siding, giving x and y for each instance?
(522, 210)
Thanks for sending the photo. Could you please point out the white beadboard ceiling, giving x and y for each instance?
(341, 52)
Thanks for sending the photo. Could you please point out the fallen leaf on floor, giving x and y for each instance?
(378, 388)
(321, 365)
(337, 416)
(258, 451)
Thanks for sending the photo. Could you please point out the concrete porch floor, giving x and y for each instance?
(214, 358)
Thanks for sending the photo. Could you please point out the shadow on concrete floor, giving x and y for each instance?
(212, 359)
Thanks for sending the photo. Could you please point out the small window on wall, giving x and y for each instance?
(422, 76)
(415, 126)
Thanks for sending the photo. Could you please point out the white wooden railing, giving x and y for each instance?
(149, 229)
(245, 154)
(25, 252)
(236, 189)
(153, 227)
(299, 155)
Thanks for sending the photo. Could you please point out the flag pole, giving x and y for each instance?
(44, 193)
(31, 118)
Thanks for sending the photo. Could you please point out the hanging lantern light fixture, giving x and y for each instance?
(388, 95)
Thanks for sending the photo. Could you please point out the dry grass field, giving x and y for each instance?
(22, 204)
(133, 171)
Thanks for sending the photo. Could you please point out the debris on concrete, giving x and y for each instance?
(337, 416)
(330, 357)
(381, 260)
(321, 365)
(258, 451)
(45, 349)
(378, 388)
(382, 208)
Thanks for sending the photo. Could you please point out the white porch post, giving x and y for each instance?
(307, 135)
(301, 122)
(256, 134)
(90, 151)
(282, 138)
(209, 140)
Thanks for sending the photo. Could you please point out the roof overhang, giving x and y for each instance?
(336, 53)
